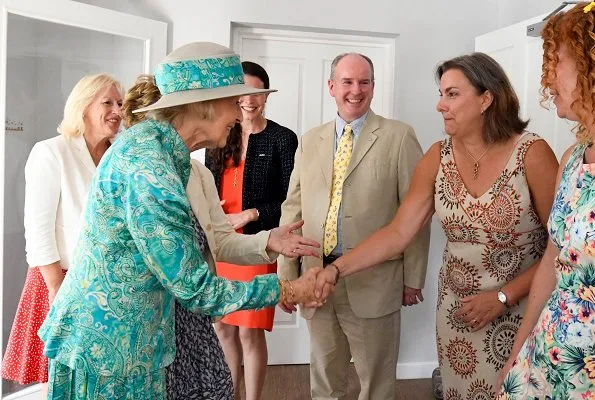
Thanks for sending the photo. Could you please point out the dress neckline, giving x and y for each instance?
(511, 157)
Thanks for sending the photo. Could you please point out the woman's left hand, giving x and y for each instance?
(480, 309)
(241, 219)
(282, 240)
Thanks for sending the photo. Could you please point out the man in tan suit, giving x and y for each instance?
(349, 178)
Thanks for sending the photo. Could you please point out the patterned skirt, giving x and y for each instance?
(24, 361)
(199, 371)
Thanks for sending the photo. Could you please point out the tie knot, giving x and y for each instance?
(348, 130)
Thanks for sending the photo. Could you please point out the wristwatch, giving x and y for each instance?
(502, 297)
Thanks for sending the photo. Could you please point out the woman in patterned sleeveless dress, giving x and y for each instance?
(491, 184)
(553, 356)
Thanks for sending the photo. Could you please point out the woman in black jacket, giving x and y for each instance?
(252, 174)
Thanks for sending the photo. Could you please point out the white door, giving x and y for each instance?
(45, 48)
(521, 58)
(298, 64)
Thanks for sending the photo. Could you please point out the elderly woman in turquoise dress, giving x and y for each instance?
(110, 332)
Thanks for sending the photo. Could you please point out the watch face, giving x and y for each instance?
(502, 297)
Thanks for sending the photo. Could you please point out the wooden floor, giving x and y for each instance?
(292, 382)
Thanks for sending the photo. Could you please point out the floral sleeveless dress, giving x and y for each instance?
(490, 241)
(557, 360)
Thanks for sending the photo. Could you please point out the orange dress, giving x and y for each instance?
(231, 192)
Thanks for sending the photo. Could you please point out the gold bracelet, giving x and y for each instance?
(291, 292)
(282, 295)
(338, 272)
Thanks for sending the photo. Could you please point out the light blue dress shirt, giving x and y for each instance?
(356, 127)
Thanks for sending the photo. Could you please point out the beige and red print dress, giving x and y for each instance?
(490, 241)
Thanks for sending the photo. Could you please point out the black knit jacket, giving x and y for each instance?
(269, 162)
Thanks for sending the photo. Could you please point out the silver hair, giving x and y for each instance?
(341, 56)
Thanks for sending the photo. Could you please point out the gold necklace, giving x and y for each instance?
(476, 160)
(235, 176)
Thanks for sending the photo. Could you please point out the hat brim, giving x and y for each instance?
(198, 95)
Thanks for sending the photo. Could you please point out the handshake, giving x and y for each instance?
(309, 290)
(312, 288)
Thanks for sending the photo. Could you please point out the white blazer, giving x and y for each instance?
(58, 175)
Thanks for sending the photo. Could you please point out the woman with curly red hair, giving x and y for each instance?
(553, 356)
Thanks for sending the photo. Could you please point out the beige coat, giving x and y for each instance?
(377, 180)
(224, 243)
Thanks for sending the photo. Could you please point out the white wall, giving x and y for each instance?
(513, 11)
(429, 31)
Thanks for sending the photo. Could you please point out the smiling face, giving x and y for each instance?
(253, 106)
(563, 88)
(352, 87)
(102, 117)
(198, 132)
(460, 104)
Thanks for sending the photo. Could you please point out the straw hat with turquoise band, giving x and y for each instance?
(197, 72)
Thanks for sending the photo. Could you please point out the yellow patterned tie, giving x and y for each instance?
(340, 164)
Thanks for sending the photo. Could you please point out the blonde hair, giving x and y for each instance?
(144, 92)
(81, 96)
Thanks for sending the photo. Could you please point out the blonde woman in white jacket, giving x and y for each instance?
(58, 174)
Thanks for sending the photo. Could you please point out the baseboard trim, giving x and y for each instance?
(415, 370)
(29, 393)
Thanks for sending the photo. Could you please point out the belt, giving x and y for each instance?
(331, 258)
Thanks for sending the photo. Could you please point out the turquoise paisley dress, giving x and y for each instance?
(110, 331)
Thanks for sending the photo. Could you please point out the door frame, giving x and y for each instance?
(80, 15)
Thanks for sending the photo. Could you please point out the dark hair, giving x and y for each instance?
(251, 68)
(216, 158)
(501, 118)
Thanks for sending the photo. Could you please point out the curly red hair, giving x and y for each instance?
(574, 29)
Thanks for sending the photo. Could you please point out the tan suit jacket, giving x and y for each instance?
(377, 180)
(224, 243)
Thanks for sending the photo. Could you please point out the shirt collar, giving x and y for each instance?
(356, 125)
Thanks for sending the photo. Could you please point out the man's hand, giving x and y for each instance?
(412, 296)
